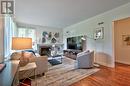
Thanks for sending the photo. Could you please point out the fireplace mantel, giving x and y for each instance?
(43, 48)
(57, 44)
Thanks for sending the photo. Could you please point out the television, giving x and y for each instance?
(74, 43)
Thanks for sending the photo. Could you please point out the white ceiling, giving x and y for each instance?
(61, 13)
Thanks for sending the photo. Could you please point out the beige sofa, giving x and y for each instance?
(41, 63)
(42, 67)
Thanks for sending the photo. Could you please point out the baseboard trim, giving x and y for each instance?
(105, 64)
(123, 62)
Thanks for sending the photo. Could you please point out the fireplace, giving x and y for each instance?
(45, 50)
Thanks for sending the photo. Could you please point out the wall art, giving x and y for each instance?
(45, 34)
(50, 37)
(99, 33)
(53, 40)
(56, 35)
(126, 40)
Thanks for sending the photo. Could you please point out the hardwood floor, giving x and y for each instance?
(118, 76)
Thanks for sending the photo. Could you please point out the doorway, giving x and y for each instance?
(122, 41)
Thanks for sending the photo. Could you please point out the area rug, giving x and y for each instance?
(63, 74)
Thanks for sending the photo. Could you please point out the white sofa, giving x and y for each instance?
(85, 59)
(41, 63)
(42, 67)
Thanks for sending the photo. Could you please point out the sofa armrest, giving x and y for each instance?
(42, 64)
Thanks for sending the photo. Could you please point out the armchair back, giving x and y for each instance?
(85, 60)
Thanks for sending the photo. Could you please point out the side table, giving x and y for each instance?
(29, 67)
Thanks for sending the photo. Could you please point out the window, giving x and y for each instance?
(8, 34)
(28, 32)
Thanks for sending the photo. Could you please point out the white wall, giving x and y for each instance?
(1, 39)
(39, 30)
(104, 48)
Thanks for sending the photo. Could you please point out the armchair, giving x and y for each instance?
(85, 59)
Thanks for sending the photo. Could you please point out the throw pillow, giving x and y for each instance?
(24, 60)
(31, 56)
(15, 56)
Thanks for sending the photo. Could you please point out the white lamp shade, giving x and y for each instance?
(20, 43)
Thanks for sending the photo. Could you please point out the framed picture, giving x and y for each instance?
(126, 40)
(99, 33)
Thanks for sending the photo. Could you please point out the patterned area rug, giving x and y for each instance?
(63, 74)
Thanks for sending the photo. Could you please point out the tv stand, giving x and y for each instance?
(71, 53)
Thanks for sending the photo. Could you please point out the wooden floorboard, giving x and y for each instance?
(118, 76)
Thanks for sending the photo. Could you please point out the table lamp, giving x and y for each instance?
(21, 43)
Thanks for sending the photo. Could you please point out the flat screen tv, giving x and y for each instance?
(74, 43)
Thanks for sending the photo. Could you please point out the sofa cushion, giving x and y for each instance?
(15, 56)
(24, 59)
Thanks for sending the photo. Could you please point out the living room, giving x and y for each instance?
(61, 33)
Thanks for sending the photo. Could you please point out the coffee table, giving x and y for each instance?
(56, 59)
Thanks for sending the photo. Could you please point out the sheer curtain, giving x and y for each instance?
(28, 32)
(8, 33)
